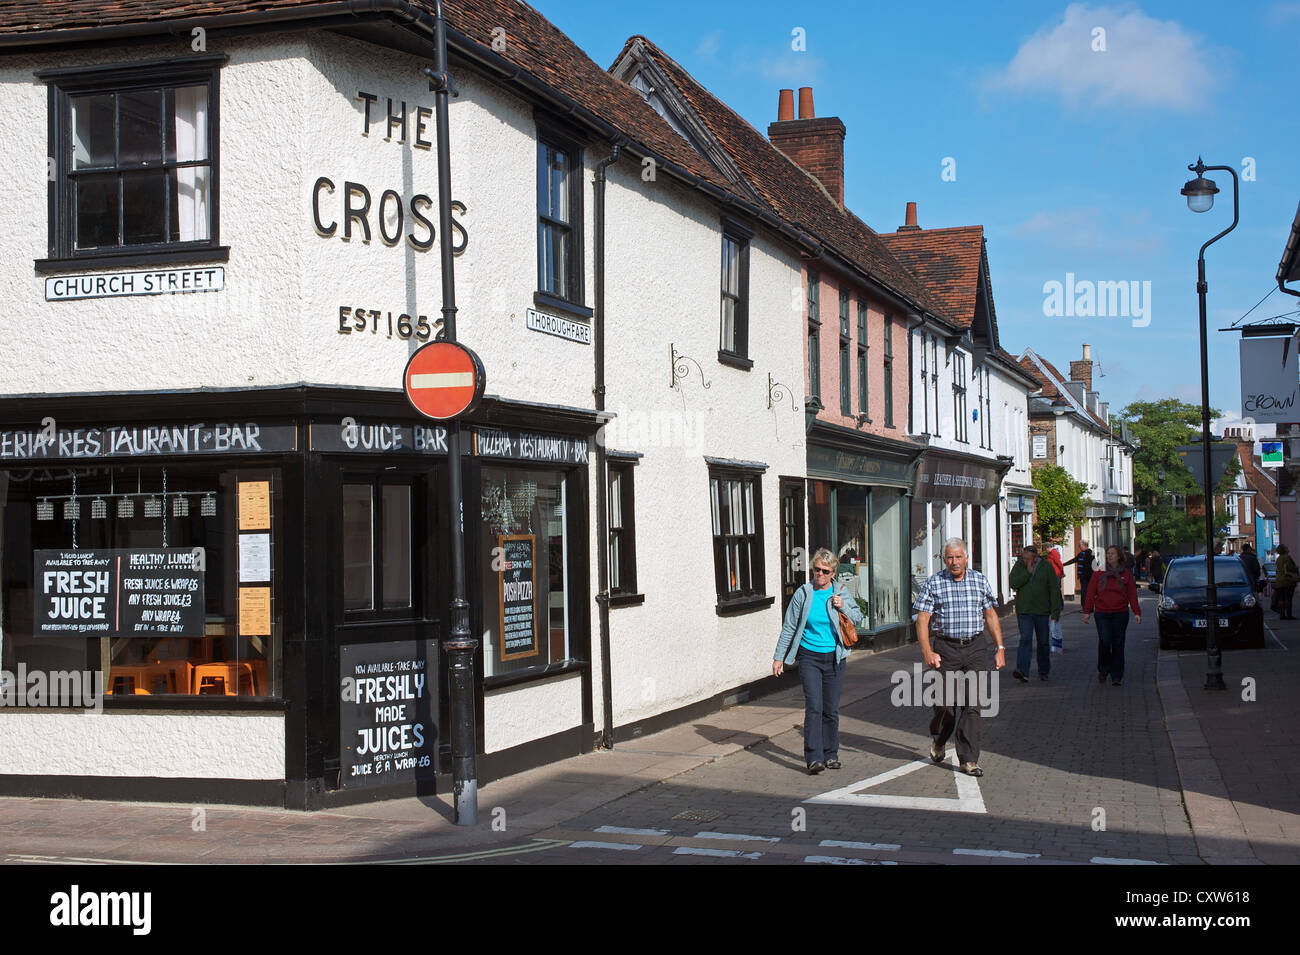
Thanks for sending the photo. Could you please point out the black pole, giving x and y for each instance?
(1214, 671)
(462, 647)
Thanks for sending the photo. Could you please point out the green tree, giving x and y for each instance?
(1159, 427)
(1061, 502)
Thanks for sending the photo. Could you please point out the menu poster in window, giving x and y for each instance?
(388, 702)
(119, 593)
(254, 611)
(254, 558)
(254, 505)
(515, 562)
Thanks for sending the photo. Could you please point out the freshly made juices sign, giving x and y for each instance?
(119, 593)
(388, 707)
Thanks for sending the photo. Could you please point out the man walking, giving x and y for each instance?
(1038, 600)
(1084, 559)
(1251, 563)
(954, 608)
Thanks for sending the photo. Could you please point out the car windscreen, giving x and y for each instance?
(1193, 575)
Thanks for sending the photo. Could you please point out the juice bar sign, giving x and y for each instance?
(388, 703)
(119, 593)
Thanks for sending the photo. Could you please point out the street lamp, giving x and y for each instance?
(1200, 193)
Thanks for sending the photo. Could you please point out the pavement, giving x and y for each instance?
(1157, 771)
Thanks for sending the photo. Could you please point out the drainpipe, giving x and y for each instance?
(602, 462)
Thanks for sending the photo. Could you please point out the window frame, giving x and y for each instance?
(738, 355)
(959, 397)
(414, 483)
(846, 388)
(548, 139)
(814, 335)
(62, 85)
(625, 567)
(863, 357)
(887, 363)
(740, 599)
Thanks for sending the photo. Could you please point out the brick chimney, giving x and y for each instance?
(815, 145)
(910, 224)
(1082, 370)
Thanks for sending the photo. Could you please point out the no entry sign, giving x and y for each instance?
(443, 380)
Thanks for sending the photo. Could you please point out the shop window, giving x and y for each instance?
(135, 161)
(886, 566)
(736, 499)
(622, 530)
(378, 563)
(734, 341)
(525, 551)
(559, 222)
(159, 581)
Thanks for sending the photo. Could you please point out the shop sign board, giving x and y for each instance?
(353, 436)
(52, 443)
(516, 558)
(529, 446)
(1271, 454)
(950, 479)
(388, 730)
(443, 380)
(833, 463)
(1269, 387)
(150, 592)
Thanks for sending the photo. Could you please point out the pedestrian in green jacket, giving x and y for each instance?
(1038, 600)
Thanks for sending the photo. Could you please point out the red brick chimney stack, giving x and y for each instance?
(1082, 370)
(909, 225)
(815, 145)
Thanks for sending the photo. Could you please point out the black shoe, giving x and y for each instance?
(937, 752)
(816, 768)
(1042, 676)
(1114, 682)
(1101, 677)
(832, 764)
(1020, 676)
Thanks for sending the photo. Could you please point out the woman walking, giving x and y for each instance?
(1285, 577)
(811, 638)
(1110, 595)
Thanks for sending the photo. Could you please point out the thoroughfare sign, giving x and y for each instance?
(443, 380)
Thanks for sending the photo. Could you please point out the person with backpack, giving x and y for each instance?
(1110, 595)
(811, 638)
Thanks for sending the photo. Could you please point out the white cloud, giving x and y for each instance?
(1282, 13)
(1146, 62)
(1084, 229)
(709, 45)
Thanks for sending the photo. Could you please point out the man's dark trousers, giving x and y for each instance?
(1083, 583)
(823, 678)
(1034, 625)
(966, 719)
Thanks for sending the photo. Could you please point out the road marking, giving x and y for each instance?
(737, 836)
(1276, 638)
(1106, 860)
(997, 853)
(842, 860)
(871, 846)
(592, 844)
(968, 792)
(538, 845)
(627, 831)
(719, 853)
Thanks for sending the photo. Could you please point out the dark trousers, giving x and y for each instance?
(1031, 624)
(965, 719)
(1111, 628)
(1282, 599)
(823, 678)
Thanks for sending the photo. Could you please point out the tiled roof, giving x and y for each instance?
(532, 42)
(1264, 488)
(1053, 383)
(947, 261)
(791, 192)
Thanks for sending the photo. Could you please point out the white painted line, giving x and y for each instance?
(592, 844)
(1105, 860)
(1276, 638)
(841, 860)
(626, 831)
(997, 853)
(443, 379)
(968, 792)
(719, 853)
(737, 836)
(841, 844)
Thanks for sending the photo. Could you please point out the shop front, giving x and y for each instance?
(858, 487)
(246, 591)
(956, 496)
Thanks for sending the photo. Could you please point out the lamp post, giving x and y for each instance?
(1200, 194)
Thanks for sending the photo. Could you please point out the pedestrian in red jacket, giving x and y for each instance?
(1110, 595)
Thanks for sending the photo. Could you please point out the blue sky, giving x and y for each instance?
(1070, 157)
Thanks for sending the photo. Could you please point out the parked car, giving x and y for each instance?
(1180, 612)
